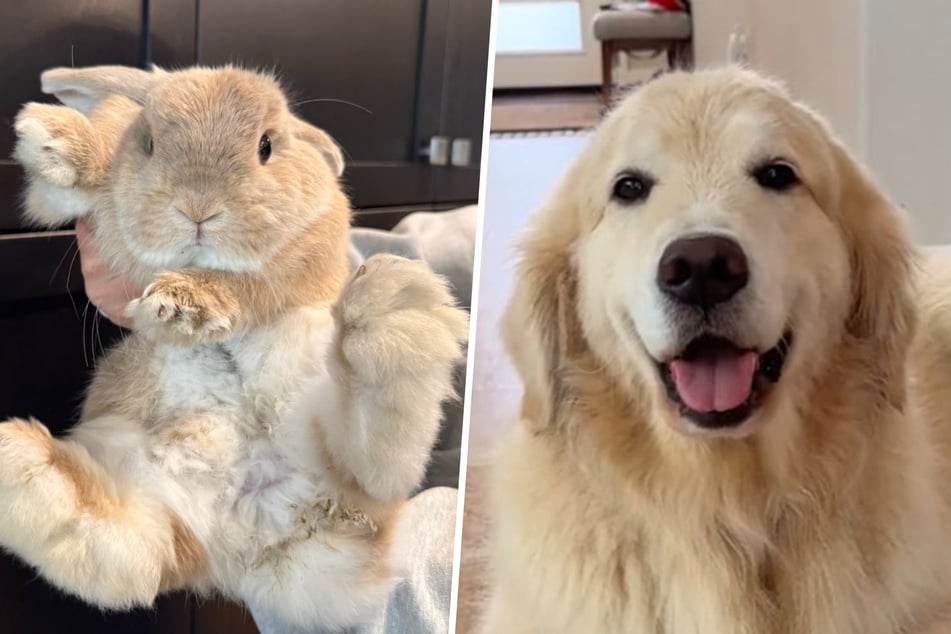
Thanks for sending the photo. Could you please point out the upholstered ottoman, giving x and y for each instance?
(626, 28)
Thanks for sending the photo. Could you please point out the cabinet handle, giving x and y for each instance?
(461, 152)
(437, 151)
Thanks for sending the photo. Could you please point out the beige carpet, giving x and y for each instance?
(474, 579)
(545, 111)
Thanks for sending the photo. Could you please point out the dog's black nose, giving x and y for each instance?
(703, 270)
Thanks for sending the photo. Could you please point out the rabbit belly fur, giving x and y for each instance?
(231, 450)
(217, 467)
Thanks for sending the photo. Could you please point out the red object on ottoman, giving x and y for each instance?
(669, 5)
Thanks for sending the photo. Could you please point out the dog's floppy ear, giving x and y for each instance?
(540, 326)
(883, 314)
(84, 88)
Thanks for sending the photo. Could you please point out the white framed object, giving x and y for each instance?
(551, 44)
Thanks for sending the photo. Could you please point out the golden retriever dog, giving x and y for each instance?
(737, 374)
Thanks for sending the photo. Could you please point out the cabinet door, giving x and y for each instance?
(366, 71)
(453, 84)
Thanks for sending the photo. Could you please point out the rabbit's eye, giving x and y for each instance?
(149, 145)
(264, 148)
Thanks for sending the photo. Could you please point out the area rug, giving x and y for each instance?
(545, 111)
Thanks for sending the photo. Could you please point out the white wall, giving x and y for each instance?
(813, 45)
(877, 69)
(908, 132)
(713, 21)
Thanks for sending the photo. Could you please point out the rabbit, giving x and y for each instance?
(259, 430)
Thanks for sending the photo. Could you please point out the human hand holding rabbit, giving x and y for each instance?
(108, 290)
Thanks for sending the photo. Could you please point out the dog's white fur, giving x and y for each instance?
(828, 509)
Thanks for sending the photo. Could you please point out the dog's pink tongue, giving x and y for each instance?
(714, 384)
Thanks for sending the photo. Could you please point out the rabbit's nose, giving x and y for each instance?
(198, 215)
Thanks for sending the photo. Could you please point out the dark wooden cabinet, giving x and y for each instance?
(378, 76)
(418, 66)
(39, 35)
(414, 69)
(323, 50)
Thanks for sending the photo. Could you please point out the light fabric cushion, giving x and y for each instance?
(634, 24)
(420, 603)
(444, 239)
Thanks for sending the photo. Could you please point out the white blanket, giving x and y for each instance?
(444, 239)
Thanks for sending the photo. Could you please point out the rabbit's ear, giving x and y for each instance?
(322, 141)
(84, 88)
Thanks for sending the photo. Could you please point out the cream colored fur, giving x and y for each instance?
(829, 510)
(259, 431)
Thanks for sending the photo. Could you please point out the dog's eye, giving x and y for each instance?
(776, 176)
(264, 148)
(631, 188)
(149, 145)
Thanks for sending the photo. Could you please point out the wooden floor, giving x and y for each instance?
(521, 172)
(548, 110)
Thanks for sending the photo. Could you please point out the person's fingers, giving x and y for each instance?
(83, 231)
(107, 290)
(112, 294)
(90, 263)
(91, 266)
(115, 312)
(109, 294)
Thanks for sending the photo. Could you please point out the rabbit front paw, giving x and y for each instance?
(181, 308)
(51, 142)
(396, 316)
(398, 338)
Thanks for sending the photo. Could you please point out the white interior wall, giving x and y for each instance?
(819, 58)
(814, 46)
(908, 129)
(713, 21)
(877, 69)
